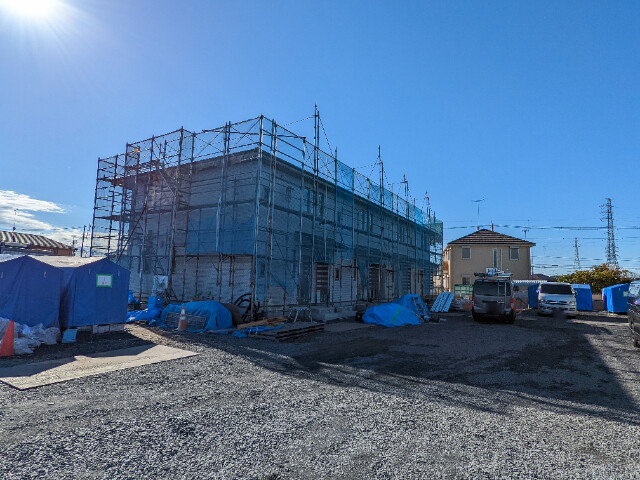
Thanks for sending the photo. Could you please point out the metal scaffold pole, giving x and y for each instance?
(254, 269)
(316, 141)
(272, 187)
(220, 210)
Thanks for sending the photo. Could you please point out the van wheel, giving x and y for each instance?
(476, 317)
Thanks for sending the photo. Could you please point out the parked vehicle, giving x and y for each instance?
(633, 312)
(556, 297)
(493, 297)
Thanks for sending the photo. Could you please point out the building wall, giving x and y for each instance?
(481, 259)
(331, 248)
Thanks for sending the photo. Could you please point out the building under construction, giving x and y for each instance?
(252, 209)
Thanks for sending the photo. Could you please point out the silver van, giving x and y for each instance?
(557, 298)
(493, 297)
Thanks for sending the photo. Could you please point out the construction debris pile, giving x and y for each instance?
(19, 339)
(406, 310)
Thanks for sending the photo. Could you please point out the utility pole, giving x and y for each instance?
(84, 229)
(612, 256)
(576, 259)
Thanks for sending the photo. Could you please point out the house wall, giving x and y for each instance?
(481, 259)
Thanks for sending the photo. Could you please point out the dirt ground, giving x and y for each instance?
(544, 398)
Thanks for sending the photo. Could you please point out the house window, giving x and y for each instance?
(466, 279)
(337, 275)
(514, 253)
(466, 253)
(495, 258)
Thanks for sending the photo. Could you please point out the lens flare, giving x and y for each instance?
(37, 9)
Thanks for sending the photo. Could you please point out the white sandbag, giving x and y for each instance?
(48, 336)
(21, 331)
(21, 346)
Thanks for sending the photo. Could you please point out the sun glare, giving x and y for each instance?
(37, 9)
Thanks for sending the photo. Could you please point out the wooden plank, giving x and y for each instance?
(259, 323)
(290, 330)
(253, 324)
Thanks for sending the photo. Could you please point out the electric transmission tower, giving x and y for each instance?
(612, 257)
(576, 258)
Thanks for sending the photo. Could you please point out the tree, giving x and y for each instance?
(598, 277)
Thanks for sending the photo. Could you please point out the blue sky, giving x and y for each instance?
(533, 106)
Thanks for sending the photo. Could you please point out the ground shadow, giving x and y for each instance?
(488, 366)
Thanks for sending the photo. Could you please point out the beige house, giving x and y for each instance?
(484, 249)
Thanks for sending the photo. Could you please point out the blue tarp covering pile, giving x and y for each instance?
(584, 298)
(29, 291)
(390, 315)
(408, 302)
(218, 317)
(148, 315)
(615, 298)
(94, 291)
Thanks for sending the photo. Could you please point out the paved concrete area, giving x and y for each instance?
(37, 374)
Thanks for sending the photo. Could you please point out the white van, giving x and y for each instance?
(557, 298)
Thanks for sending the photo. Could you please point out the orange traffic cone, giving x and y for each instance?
(6, 347)
(182, 322)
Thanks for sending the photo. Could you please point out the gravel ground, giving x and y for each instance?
(544, 398)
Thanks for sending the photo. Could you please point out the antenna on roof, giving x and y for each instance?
(15, 214)
(477, 202)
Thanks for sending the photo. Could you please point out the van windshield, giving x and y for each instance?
(556, 289)
(492, 288)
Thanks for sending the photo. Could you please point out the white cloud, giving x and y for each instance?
(10, 200)
(22, 209)
(25, 221)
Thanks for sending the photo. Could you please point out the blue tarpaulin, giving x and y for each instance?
(148, 314)
(390, 315)
(29, 291)
(533, 296)
(615, 298)
(584, 298)
(218, 317)
(94, 291)
(409, 302)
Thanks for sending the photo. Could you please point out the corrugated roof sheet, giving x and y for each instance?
(489, 237)
(58, 261)
(30, 239)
